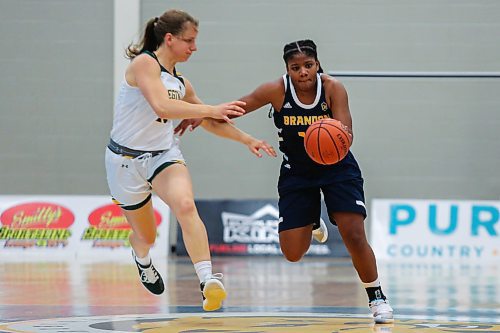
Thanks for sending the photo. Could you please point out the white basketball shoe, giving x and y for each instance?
(320, 234)
(382, 311)
(213, 292)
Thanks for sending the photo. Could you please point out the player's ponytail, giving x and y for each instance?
(148, 42)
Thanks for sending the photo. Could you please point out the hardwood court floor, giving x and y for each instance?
(265, 294)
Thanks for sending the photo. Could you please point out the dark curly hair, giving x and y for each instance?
(305, 46)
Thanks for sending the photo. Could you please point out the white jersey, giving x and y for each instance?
(136, 125)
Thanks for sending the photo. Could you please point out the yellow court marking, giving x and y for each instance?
(243, 323)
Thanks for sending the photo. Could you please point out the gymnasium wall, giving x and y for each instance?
(56, 88)
(414, 137)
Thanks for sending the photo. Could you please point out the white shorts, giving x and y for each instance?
(129, 179)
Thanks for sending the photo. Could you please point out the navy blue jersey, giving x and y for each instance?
(292, 121)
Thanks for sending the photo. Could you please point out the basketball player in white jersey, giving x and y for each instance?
(143, 155)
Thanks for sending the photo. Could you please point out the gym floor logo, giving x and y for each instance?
(241, 323)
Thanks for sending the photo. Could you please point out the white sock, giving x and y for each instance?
(203, 270)
(373, 284)
(146, 261)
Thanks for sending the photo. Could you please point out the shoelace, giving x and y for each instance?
(149, 275)
(380, 306)
(217, 276)
(377, 302)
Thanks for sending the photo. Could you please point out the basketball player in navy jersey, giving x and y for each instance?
(300, 97)
(144, 156)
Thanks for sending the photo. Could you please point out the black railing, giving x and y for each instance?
(474, 75)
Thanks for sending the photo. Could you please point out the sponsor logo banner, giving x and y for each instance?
(36, 224)
(435, 229)
(250, 227)
(54, 227)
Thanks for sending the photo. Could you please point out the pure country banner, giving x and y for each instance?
(422, 230)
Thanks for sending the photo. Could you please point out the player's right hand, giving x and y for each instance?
(229, 110)
(185, 123)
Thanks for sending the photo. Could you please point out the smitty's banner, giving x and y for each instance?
(57, 227)
(418, 230)
(250, 227)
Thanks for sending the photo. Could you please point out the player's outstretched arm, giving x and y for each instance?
(224, 129)
(267, 93)
(144, 73)
(229, 131)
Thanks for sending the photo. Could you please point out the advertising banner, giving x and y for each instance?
(56, 227)
(435, 230)
(250, 227)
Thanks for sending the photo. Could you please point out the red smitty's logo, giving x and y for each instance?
(111, 217)
(35, 215)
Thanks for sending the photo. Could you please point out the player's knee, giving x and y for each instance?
(292, 255)
(355, 239)
(185, 207)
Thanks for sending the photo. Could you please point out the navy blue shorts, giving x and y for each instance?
(300, 207)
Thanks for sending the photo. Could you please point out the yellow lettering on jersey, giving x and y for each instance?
(302, 134)
(301, 120)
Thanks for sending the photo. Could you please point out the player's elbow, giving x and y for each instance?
(160, 109)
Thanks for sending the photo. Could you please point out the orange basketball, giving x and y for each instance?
(327, 141)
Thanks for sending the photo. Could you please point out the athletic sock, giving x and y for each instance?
(145, 262)
(203, 270)
(374, 290)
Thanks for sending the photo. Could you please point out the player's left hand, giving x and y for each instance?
(256, 145)
(184, 124)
